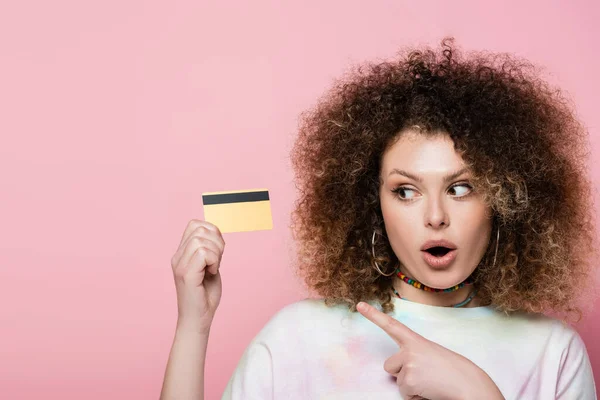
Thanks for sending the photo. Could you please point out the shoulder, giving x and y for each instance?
(537, 325)
(558, 339)
(568, 342)
(541, 324)
(567, 351)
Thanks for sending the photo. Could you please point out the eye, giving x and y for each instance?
(464, 185)
(403, 190)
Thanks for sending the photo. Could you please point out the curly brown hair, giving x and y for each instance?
(519, 136)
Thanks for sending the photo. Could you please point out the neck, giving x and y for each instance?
(439, 299)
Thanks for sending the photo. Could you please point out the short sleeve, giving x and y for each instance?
(575, 377)
(252, 379)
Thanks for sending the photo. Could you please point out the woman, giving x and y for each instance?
(447, 194)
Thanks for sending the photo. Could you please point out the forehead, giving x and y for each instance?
(419, 152)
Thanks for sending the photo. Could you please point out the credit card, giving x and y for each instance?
(239, 210)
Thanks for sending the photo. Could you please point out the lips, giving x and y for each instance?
(439, 261)
(438, 253)
(438, 243)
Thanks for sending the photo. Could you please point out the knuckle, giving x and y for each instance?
(201, 240)
(180, 272)
(201, 228)
(209, 226)
(207, 244)
(218, 231)
(194, 223)
(390, 322)
(197, 240)
(410, 381)
(215, 229)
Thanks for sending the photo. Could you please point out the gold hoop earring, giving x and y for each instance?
(379, 269)
(375, 262)
(497, 240)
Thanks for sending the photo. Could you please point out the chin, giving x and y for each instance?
(443, 279)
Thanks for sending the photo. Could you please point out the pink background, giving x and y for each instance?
(117, 115)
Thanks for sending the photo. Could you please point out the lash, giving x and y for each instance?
(396, 190)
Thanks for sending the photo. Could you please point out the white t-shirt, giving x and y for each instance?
(310, 351)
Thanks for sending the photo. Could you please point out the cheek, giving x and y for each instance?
(400, 225)
(477, 228)
(392, 218)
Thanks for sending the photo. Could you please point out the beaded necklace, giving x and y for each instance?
(426, 288)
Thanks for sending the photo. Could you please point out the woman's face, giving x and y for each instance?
(427, 206)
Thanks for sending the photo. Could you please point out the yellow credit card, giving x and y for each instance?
(238, 211)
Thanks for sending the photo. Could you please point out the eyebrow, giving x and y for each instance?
(449, 177)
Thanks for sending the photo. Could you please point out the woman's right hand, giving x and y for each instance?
(197, 278)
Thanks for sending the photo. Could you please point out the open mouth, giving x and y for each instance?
(438, 251)
(439, 256)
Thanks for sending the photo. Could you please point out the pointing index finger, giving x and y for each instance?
(394, 328)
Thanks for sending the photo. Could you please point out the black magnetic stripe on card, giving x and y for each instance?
(235, 197)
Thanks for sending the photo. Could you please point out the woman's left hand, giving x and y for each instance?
(424, 369)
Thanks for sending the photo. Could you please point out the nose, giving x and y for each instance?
(436, 215)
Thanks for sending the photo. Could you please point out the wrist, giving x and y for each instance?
(193, 327)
